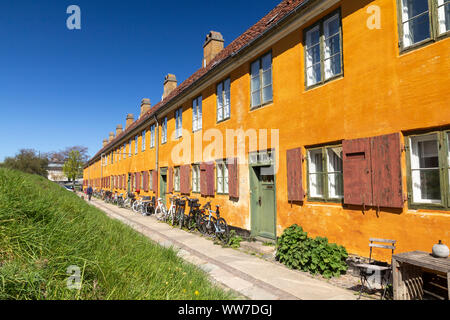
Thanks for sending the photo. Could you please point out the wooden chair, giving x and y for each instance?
(384, 270)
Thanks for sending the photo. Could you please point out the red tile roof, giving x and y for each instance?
(281, 11)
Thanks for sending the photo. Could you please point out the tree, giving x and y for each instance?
(72, 167)
(29, 161)
(63, 155)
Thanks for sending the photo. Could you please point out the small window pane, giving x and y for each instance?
(316, 173)
(255, 69)
(267, 62)
(256, 98)
(416, 23)
(444, 15)
(267, 94)
(425, 169)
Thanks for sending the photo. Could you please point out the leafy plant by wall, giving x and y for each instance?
(296, 250)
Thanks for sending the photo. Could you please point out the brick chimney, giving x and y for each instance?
(105, 142)
(145, 106)
(111, 136)
(212, 46)
(118, 129)
(170, 83)
(130, 120)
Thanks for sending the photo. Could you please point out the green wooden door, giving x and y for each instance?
(263, 206)
(129, 183)
(163, 185)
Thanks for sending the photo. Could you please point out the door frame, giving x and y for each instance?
(253, 208)
(163, 172)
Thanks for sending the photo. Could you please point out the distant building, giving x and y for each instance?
(55, 171)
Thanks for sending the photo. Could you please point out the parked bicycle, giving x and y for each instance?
(215, 226)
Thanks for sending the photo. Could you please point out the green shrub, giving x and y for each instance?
(296, 250)
(234, 240)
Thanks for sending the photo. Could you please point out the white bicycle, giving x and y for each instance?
(161, 212)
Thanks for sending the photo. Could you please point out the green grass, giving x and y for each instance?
(45, 229)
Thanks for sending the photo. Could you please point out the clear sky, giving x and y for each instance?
(61, 87)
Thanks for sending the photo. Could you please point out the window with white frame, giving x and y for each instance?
(223, 100)
(323, 50)
(143, 140)
(136, 145)
(178, 122)
(129, 150)
(150, 180)
(325, 173)
(222, 177)
(197, 114)
(152, 135)
(421, 20)
(425, 171)
(176, 179)
(261, 80)
(124, 155)
(164, 130)
(195, 178)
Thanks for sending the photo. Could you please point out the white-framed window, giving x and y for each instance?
(164, 130)
(323, 50)
(124, 154)
(129, 150)
(152, 135)
(150, 180)
(222, 177)
(143, 140)
(197, 114)
(178, 122)
(195, 178)
(136, 145)
(261, 80)
(425, 171)
(325, 173)
(223, 100)
(176, 179)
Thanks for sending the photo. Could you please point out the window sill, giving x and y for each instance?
(261, 105)
(430, 206)
(223, 120)
(325, 82)
(323, 200)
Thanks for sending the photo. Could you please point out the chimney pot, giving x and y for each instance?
(105, 142)
(111, 136)
(213, 45)
(119, 129)
(129, 120)
(170, 83)
(145, 106)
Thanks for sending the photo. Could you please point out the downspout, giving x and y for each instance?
(157, 151)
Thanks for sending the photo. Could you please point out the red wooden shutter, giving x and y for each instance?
(233, 178)
(294, 161)
(357, 172)
(155, 181)
(386, 171)
(170, 178)
(138, 180)
(185, 179)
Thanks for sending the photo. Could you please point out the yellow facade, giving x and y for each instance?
(382, 91)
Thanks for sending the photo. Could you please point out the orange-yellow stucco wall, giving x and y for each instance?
(382, 91)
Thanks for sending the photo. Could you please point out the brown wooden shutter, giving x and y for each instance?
(155, 181)
(145, 175)
(185, 179)
(210, 179)
(357, 172)
(294, 165)
(170, 178)
(233, 178)
(386, 171)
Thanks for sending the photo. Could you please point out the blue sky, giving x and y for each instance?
(61, 87)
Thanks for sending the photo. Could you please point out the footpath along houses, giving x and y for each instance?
(334, 115)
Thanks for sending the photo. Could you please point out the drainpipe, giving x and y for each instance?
(157, 151)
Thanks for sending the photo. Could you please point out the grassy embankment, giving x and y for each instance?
(44, 229)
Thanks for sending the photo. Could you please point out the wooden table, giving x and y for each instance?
(408, 268)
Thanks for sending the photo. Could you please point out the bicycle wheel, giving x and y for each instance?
(222, 230)
(191, 222)
(210, 225)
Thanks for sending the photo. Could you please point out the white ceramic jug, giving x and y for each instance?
(440, 250)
